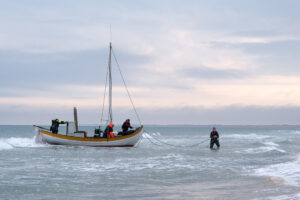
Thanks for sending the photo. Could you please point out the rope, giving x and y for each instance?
(126, 87)
(137, 144)
(104, 95)
(152, 141)
(185, 146)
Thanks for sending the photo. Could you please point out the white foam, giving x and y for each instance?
(156, 134)
(146, 135)
(269, 146)
(261, 150)
(289, 172)
(5, 146)
(251, 136)
(296, 132)
(286, 197)
(170, 162)
(10, 143)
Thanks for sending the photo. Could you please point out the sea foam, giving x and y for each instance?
(289, 172)
(12, 142)
(268, 146)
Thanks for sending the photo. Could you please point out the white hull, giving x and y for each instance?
(121, 141)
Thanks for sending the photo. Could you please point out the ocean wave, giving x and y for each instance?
(252, 136)
(269, 146)
(12, 142)
(147, 135)
(170, 162)
(270, 143)
(289, 172)
(296, 132)
(4, 145)
(261, 150)
(285, 197)
(156, 134)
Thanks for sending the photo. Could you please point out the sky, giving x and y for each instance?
(184, 62)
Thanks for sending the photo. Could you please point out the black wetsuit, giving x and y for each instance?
(126, 125)
(214, 139)
(55, 125)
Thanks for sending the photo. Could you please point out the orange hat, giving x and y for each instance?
(111, 125)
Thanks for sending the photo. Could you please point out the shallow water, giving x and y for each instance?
(171, 162)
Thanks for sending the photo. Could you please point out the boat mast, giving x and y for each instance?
(110, 86)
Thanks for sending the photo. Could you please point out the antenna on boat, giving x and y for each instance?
(110, 33)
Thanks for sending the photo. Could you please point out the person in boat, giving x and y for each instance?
(55, 125)
(108, 132)
(126, 125)
(214, 138)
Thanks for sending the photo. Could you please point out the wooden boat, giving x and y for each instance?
(45, 136)
(80, 138)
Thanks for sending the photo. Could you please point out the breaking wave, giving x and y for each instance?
(288, 172)
(13, 142)
(251, 136)
(268, 146)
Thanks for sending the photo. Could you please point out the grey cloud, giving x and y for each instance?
(262, 32)
(234, 115)
(278, 57)
(23, 70)
(226, 115)
(203, 72)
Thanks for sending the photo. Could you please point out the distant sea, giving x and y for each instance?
(170, 162)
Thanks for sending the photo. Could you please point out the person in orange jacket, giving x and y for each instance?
(108, 132)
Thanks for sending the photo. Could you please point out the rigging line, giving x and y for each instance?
(157, 144)
(137, 144)
(126, 87)
(186, 146)
(182, 146)
(104, 95)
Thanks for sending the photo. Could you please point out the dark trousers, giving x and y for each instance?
(54, 129)
(214, 141)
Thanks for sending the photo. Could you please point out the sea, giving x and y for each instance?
(170, 162)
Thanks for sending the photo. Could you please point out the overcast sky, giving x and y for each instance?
(187, 62)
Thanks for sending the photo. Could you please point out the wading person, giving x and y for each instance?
(214, 138)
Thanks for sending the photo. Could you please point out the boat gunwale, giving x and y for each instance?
(91, 139)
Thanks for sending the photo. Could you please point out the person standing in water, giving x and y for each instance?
(214, 138)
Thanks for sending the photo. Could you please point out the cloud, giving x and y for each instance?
(44, 71)
(174, 55)
(206, 93)
(203, 72)
(274, 57)
(236, 115)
